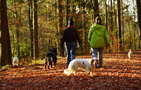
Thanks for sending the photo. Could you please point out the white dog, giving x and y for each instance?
(85, 64)
(130, 54)
(15, 61)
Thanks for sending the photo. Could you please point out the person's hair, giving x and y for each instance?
(70, 22)
(98, 20)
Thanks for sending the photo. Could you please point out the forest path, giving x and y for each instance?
(118, 72)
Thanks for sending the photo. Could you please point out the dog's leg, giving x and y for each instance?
(88, 70)
(54, 62)
(45, 63)
(74, 72)
(91, 73)
(48, 64)
(51, 64)
(48, 67)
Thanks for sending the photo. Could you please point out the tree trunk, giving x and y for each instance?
(60, 24)
(119, 22)
(111, 26)
(122, 23)
(106, 15)
(139, 17)
(96, 10)
(17, 31)
(115, 11)
(85, 30)
(67, 13)
(31, 26)
(134, 25)
(36, 30)
(6, 48)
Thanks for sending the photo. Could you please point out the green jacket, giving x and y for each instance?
(98, 36)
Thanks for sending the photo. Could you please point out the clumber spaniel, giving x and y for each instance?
(85, 64)
(15, 61)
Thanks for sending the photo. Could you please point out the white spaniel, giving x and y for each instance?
(130, 54)
(85, 64)
(15, 61)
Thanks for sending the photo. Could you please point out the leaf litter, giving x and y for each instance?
(118, 72)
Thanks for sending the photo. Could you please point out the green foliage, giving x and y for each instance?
(18, 1)
(25, 48)
(48, 24)
(4, 67)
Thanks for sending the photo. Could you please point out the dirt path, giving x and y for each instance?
(118, 72)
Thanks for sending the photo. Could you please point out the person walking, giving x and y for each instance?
(98, 39)
(70, 36)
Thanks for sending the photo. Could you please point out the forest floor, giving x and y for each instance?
(118, 73)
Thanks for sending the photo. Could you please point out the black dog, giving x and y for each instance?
(51, 57)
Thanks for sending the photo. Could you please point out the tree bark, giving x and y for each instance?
(67, 12)
(31, 26)
(96, 10)
(139, 17)
(18, 17)
(106, 15)
(122, 12)
(60, 24)
(111, 26)
(119, 23)
(36, 30)
(6, 48)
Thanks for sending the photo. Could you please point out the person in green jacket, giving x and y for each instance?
(98, 39)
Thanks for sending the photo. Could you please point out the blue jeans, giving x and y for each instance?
(70, 51)
(98, 52)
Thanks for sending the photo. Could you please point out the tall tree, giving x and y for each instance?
(122, 12)
(18, 21)
(36, 30)
(111, 15)
(115, 14)
(139, 17)
(119, 23)
(60, 22)
(31, 25)
(106, 15)
(6, 48)
(67, 12)
(96, 10)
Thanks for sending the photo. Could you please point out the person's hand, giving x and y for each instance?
(78, 45)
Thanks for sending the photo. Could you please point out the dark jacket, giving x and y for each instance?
(70, 34)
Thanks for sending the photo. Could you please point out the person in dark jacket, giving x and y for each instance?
(70, 36)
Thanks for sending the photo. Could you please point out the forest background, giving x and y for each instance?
(29, 28)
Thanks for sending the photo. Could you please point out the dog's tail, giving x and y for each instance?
(67, 71)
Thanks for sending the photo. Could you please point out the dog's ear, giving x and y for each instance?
(91, 61)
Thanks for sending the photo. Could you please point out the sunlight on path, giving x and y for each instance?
(118, 72)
